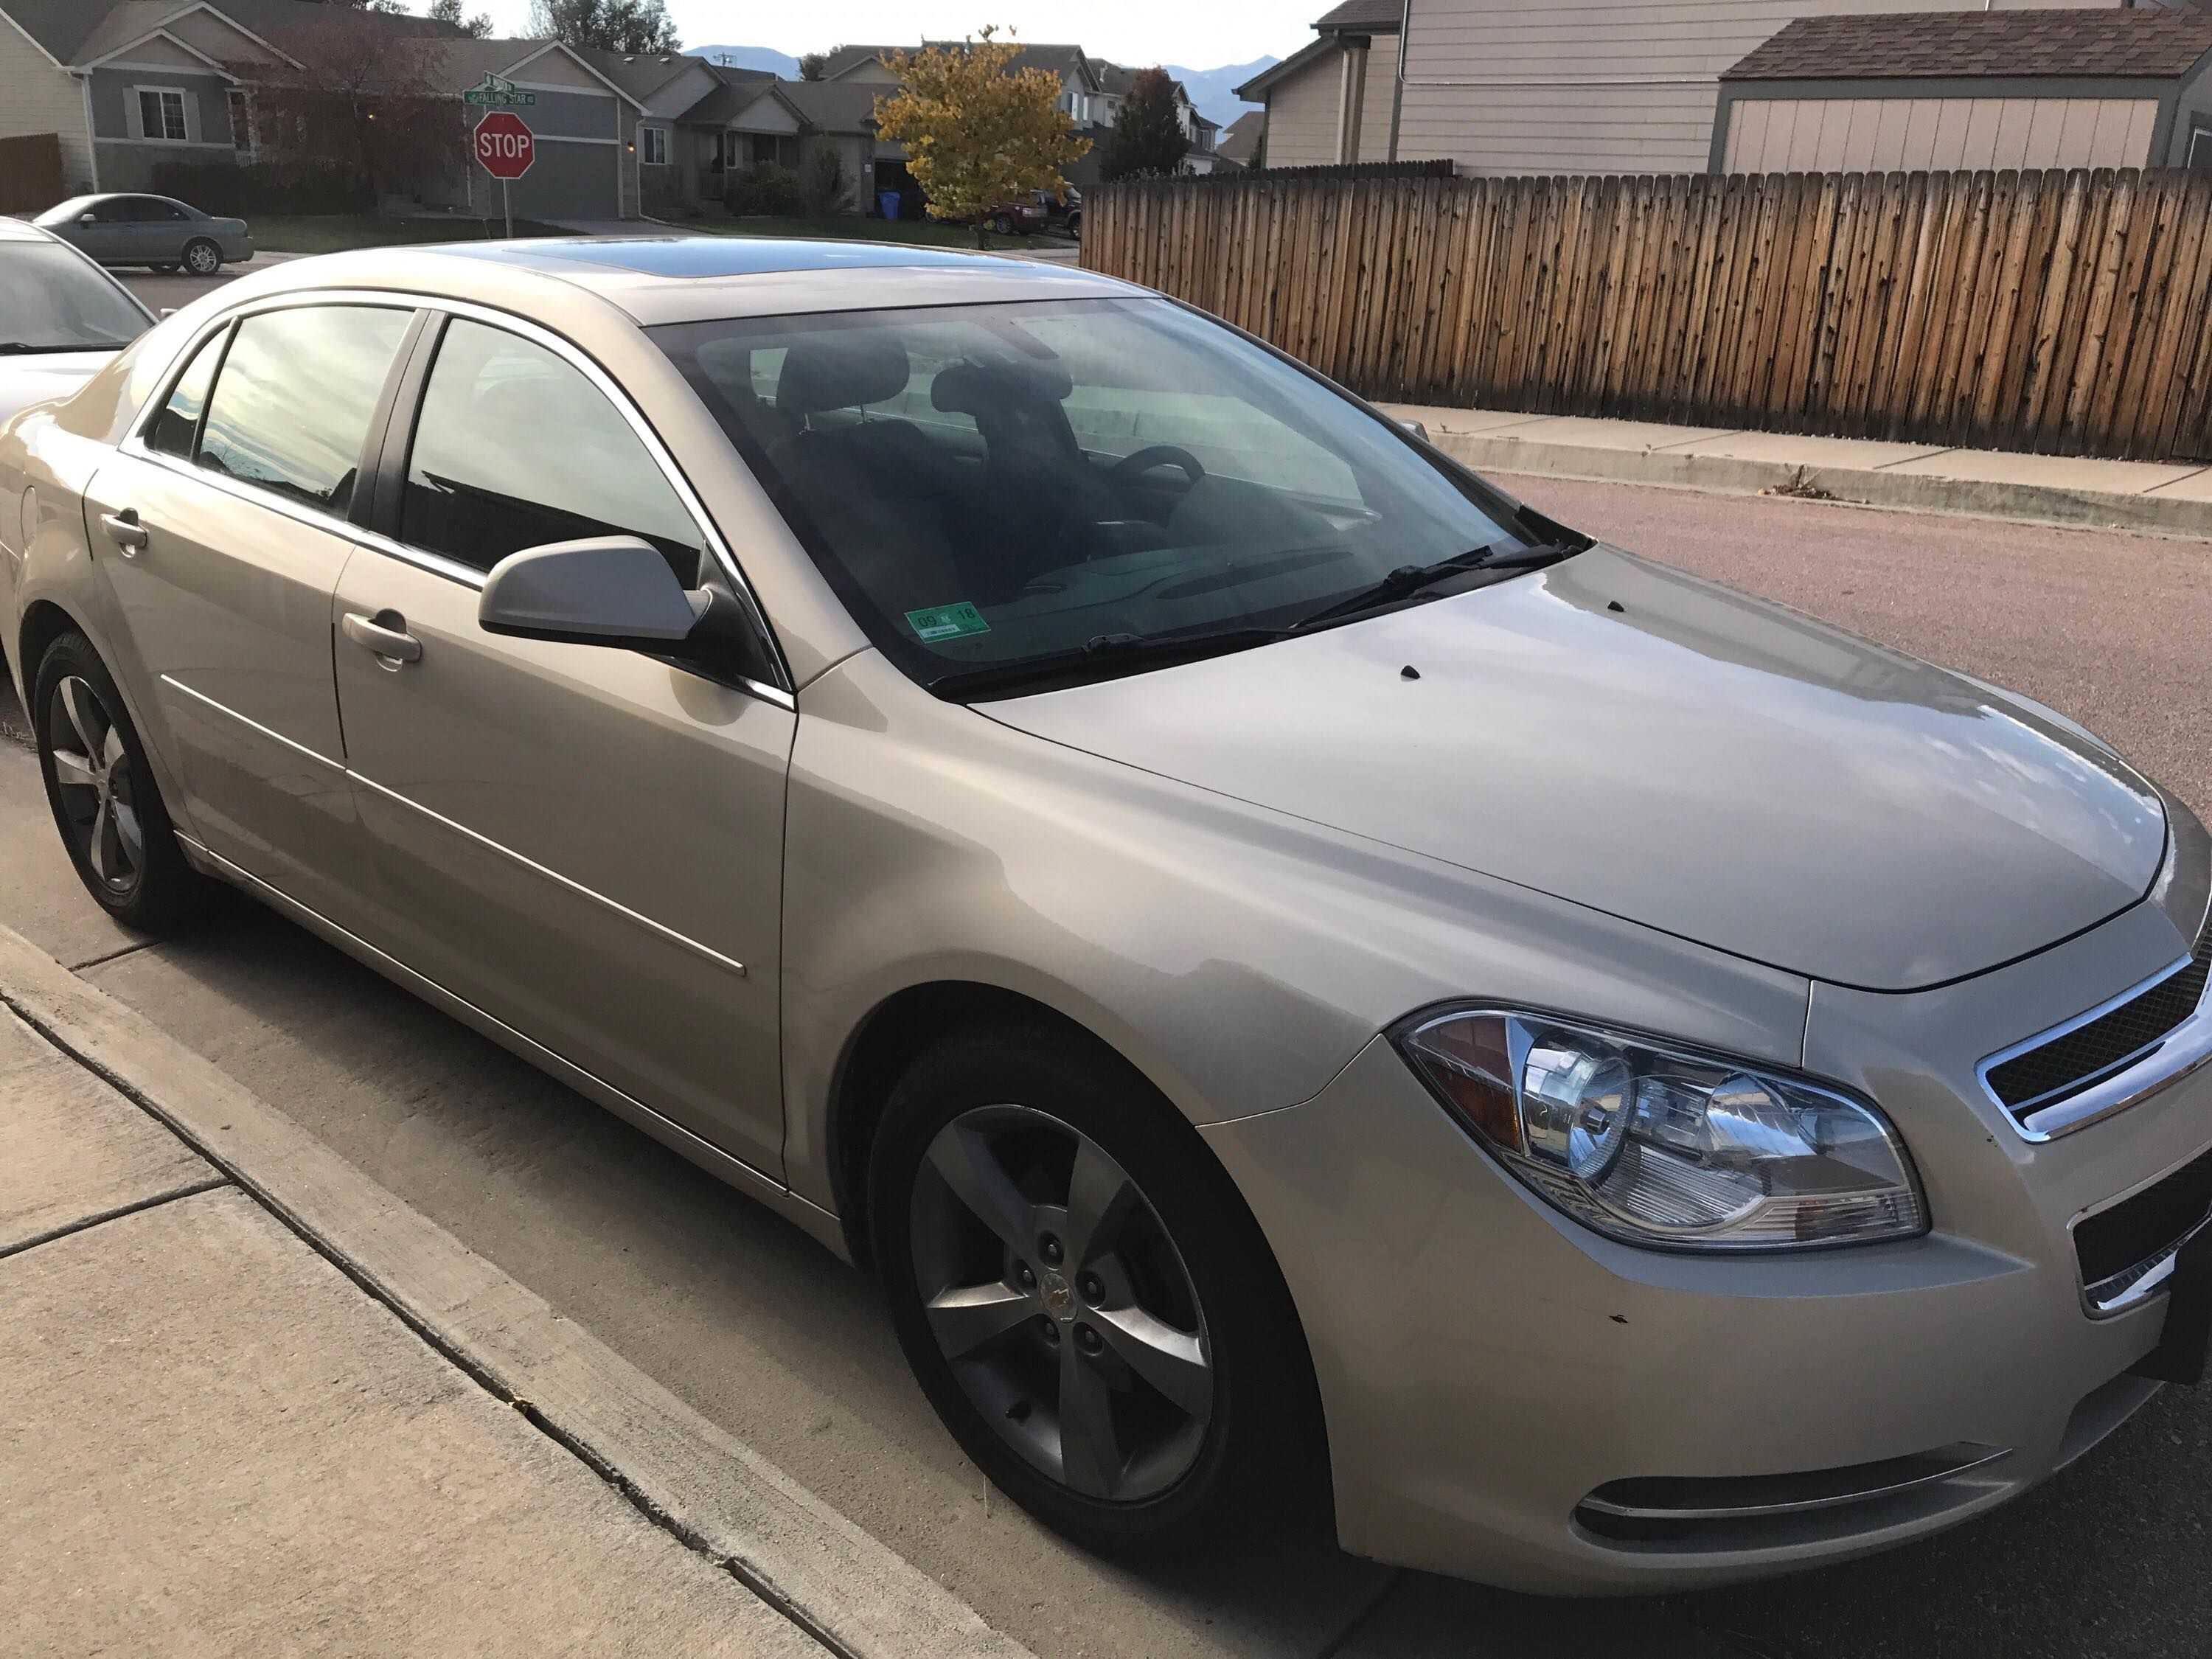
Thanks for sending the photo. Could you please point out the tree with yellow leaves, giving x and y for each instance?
(977, 134)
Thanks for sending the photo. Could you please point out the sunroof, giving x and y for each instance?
(735, 256)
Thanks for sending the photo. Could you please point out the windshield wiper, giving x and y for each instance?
(23, 348)
(1103, 653)
(1408, 580)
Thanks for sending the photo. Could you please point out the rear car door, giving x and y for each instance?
(585, 842)
(156, 230)
(221, 526)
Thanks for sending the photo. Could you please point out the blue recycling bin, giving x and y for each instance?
(888, 201)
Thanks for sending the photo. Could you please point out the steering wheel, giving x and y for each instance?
(1143, 460)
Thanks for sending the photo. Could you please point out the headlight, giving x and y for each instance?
(1658, 1145)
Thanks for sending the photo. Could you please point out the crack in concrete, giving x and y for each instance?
(137, 1207)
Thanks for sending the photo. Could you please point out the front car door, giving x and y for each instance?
(107, 235)
(222, 525)
(583, 842)
(157, 231)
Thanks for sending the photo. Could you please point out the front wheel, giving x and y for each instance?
(105, 803)
(203, 257)
(1083, 1296)
(1003, 225)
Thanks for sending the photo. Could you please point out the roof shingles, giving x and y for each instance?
(2132, 44)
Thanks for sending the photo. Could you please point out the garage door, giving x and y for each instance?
(570, 181)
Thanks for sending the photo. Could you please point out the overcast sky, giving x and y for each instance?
(1196, 36)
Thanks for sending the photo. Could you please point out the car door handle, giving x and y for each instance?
(124, 530)
(386, 633)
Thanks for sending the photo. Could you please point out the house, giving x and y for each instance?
(1971, 90)
(1240, 139)
(129, 84)
(714, 120)
(1507, 87)
(1334, 101)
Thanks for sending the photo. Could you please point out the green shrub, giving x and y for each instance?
(232, 190)
(763, 187)
(825, 186)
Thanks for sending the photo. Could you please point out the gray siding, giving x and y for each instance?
(208, 118)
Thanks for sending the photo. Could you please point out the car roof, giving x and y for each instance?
(674, 278)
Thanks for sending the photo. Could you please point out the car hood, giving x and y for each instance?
(1619, 734)
(27, 381)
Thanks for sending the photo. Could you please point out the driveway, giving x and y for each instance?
(762, 1331)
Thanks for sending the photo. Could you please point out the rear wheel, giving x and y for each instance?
(1082, 1295)
(102, 792)
(201, 257)
(1003, 225)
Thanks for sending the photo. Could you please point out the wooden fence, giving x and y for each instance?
(2056, 312)
(30, 172)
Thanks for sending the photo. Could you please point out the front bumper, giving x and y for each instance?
(1487, 1366)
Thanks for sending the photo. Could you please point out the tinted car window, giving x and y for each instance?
(515, 448)
(178, 423)
(995, 486)
(150, 208)
(292, 405)
(51, 298)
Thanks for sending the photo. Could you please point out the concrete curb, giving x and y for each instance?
(859, 1598)
(1866, 487)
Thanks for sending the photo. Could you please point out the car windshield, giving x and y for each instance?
(51, 300)
(995, 486)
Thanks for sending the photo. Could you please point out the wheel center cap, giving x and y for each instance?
(1059, 1296)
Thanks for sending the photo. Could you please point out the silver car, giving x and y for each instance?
(158, 232)
(61, 318)
(1296, 971)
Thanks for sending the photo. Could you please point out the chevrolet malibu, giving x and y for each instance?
(1295, 971)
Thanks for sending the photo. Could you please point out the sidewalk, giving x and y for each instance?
(2174, 500)
(252, 1402)
(213, 1441)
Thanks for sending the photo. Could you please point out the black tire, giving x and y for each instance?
(158, 891)
(1261, 1444)
(203, 257)
(1003, 225)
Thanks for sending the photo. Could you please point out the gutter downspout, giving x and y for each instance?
(1398, 88)
(91, 138)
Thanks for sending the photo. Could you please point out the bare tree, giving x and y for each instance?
(366, 99)
(449, 11)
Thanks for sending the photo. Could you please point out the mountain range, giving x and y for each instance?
(1213, 92)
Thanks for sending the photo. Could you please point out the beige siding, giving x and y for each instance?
(217, 38)
(682, 93)
(1381, 87)
(557, 69)
(1302, 115)
(1925, 135)
(158, 53)
(35, 96)
(1593, 86)
(874, 71)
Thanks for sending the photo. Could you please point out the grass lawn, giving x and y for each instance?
(851, 227)
(334, 233)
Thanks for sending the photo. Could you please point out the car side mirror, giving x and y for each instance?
(1417, 429)
(615, 591)
(88, 218)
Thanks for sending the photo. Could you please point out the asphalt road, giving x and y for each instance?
(763, 1332)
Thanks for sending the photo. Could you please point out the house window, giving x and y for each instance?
(161, 114)
(653, 146)
(241, 120)
(2200, 148)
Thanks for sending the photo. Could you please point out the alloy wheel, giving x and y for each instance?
(93, 775)
(1062, 1304)
(203, 259)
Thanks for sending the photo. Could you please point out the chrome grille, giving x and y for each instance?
(2078, 1058)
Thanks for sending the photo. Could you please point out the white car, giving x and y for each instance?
(61, 316)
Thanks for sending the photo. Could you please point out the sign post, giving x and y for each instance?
(506, 149)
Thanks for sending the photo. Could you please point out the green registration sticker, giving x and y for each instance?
(946, 621)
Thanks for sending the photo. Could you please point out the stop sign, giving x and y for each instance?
(504, 144)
